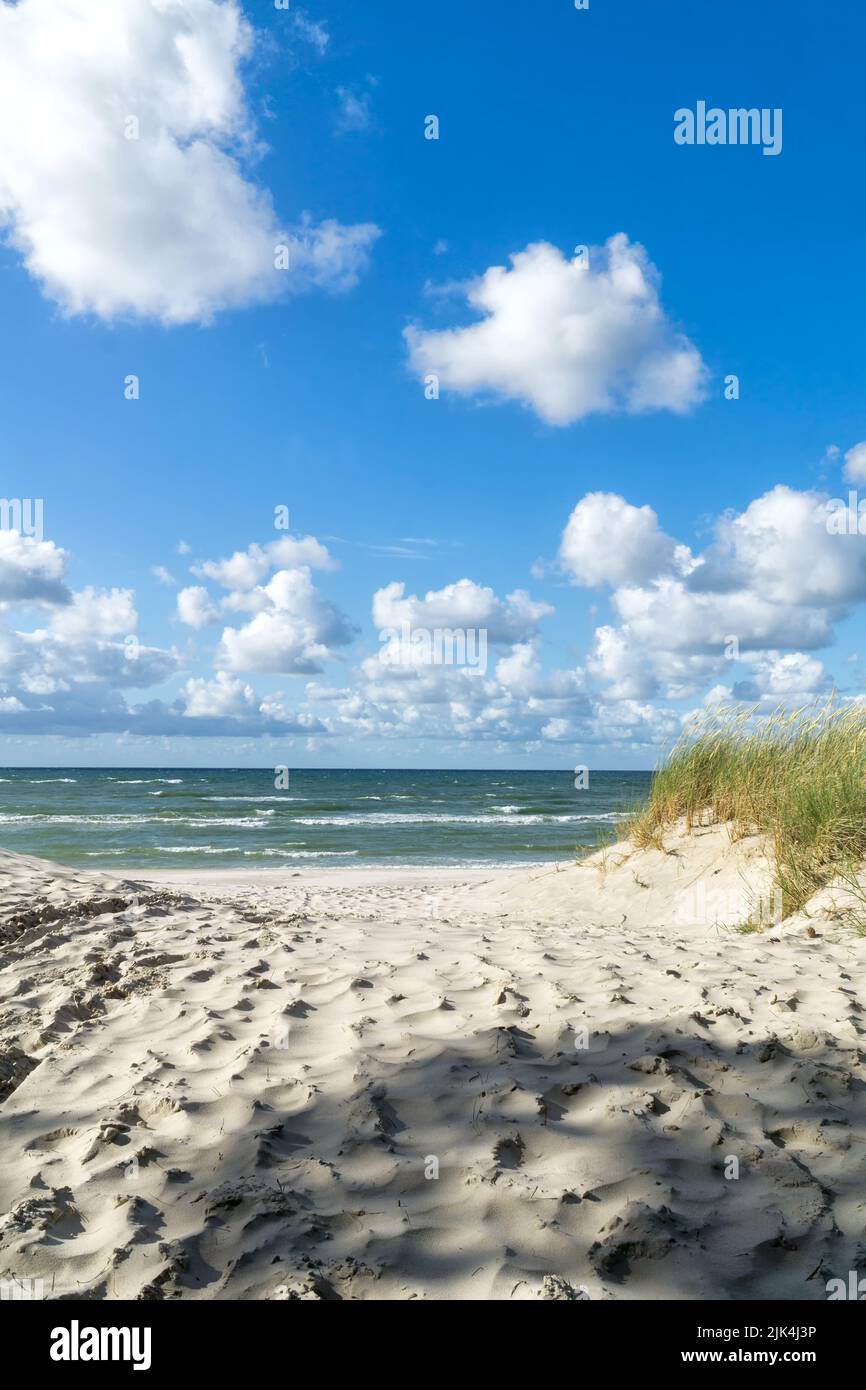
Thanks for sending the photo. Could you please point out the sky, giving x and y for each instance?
(329, 326)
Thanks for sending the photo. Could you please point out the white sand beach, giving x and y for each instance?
(428, 1084)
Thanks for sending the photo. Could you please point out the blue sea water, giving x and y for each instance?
(137, 818)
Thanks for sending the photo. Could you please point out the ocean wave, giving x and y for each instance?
(442, 818)
(303, 853)
(195, 849)
(254, 798)
(49, 818)
(116, 819)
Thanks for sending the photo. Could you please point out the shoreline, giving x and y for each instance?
(345, 876)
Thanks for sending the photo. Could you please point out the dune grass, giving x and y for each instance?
(799, 778)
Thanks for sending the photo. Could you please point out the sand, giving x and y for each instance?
(575, 1082)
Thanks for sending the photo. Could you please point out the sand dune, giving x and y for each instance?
(427, 1085)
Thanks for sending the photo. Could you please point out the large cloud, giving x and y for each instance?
(294, 630)
(782, 547)
(166, 225)
(568, 338)
(608, 541)
(90, 641)
(771, 587)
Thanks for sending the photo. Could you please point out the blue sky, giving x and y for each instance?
(556, 130)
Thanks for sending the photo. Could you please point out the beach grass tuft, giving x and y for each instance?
(797, 777)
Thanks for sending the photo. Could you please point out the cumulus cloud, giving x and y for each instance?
(70, 676)
(460, 605)
(294, 631)
(31, 571)
(428, 697)
(782, 547)
(773, 578)
(855, 463)
(789, 677)
(196, 608)
(608, 541)
(126, 144)
(568, 337)
(214, 698)
(246, 568)
(90, 651)
(97, 613)
(742, 619)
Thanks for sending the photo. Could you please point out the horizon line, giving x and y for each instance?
(200, 767)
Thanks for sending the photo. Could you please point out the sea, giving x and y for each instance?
(145, 818)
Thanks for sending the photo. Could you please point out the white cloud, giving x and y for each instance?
(163, 575)
(620, 666)
(556, 730)
(566, 339)
(293, 632)
(31, 570)
(86, 654)
(460, 605)
(97, 613)
(608, 541)
(246, 568)
(219, 697)
(790, 677)
(773, 578)
(311, 31)
(165, 226)
(354, 112)
(241, 570)
(195, 607)
(855, 463)
(781, 547)
(773, 581)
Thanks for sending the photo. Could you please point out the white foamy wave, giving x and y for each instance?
(179, 822)
(303, 853)
(47, 819)
(195, 849)
(442, 818)
(254, 798)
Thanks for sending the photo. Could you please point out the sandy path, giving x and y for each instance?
(418, 1087)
